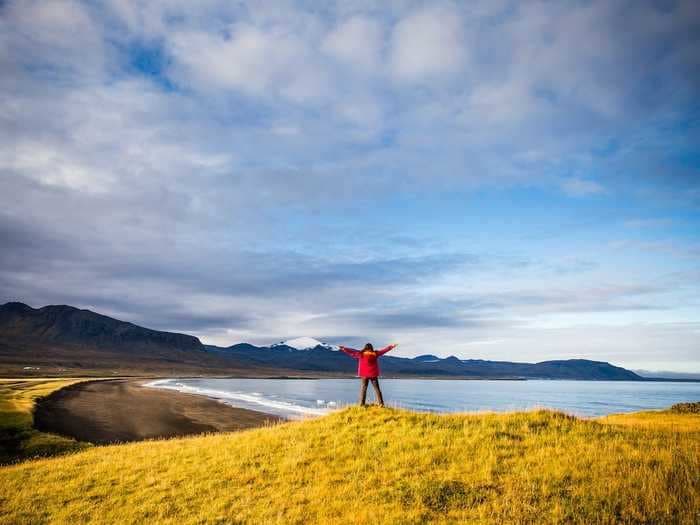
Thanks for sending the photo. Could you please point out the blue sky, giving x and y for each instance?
(492, 179)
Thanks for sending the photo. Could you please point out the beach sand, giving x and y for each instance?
(124, 410)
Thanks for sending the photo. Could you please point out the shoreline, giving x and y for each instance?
(281, 409)
(124, 410)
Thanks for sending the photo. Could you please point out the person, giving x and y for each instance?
(368, 368)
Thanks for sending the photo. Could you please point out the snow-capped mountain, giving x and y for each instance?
(309, 355)
(305, 343)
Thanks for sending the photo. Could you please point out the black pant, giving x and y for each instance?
(377, 391)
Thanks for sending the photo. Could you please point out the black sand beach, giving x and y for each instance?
(124, 410)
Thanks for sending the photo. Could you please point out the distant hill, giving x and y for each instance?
(69, 338)
(323, 359)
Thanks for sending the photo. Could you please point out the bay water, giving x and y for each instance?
(298, 398)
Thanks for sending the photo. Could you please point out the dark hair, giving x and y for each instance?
(368, 347)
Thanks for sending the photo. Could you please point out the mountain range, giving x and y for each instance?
(323, 359)
(67, 339)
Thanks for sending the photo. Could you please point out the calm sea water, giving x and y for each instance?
(294, 398)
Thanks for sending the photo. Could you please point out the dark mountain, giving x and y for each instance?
(67, 338)
(562, 369)
(64, 338)
(66, 324)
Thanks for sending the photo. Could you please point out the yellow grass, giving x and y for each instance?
(666, 420)
(18, 440)
(378, 466)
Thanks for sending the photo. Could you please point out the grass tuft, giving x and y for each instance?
(686, 408)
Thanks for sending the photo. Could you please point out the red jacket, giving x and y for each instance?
(368, 364)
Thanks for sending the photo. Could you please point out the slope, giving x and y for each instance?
(376, 466)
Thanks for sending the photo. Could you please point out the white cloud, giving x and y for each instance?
(287, 130)
(357, 41)
(251, 60)
(576, 187)
(307, 84)
(54, 167)
(428, 43)
(500, 104)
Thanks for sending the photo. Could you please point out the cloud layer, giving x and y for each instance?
(501, 180)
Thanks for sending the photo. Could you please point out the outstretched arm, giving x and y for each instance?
(355, 354)
(386, 349)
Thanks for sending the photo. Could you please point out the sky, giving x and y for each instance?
(489, 179)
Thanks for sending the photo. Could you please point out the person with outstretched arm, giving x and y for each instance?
(368, 368)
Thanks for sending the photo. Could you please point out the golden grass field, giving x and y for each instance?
(380, 466)
(18, 440)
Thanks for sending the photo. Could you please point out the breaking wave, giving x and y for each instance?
(249, 400)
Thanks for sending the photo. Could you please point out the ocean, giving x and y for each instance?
(299, 398)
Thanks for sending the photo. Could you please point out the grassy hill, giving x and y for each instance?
(380, 466)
